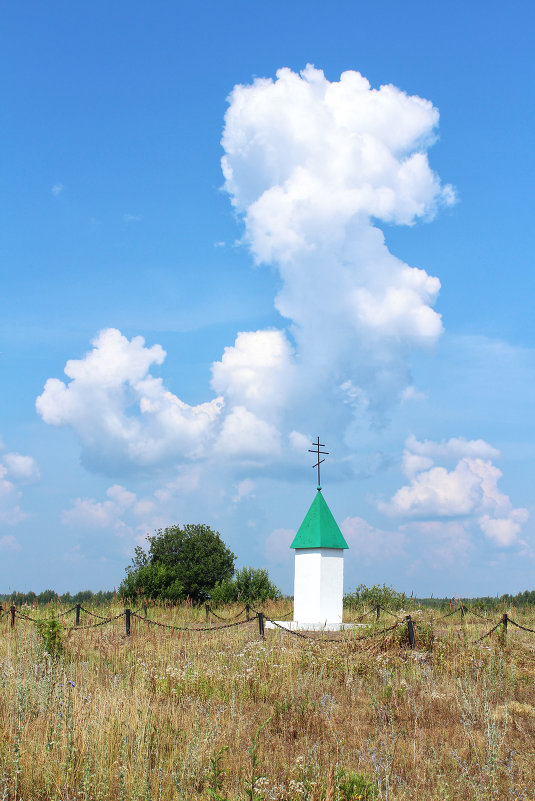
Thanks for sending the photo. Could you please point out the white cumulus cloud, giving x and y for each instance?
(122, 512)
(10, 510)
(256, 371)
(15, 470)
(87, 512)
(247, 436)
(370, 542)
(243, 490)
(312, 166)
(21, 468)
(468, 490)
(299, 442)
(120, 412)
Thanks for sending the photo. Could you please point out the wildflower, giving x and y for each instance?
(261, 783)
(297, 787)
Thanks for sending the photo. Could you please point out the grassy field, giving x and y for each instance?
(167, 714)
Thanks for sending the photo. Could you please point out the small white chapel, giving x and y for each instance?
(319, 567)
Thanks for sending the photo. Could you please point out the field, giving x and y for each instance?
(224, 714)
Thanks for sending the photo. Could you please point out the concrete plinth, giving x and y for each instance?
(295, 625)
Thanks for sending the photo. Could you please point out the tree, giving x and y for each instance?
(371, 596)
(181, 563)
(253, 584)
(249, 584)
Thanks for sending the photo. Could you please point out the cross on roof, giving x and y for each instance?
(317, 445)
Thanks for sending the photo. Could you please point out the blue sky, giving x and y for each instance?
(282, 311)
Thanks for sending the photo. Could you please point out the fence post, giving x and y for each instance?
(504, 623)
(462, 611)
(410, 629)
(207, 609)
(77, 623)
(378, 611)
(127, 621)
(247, 610)
(13, 610)
(261, 623)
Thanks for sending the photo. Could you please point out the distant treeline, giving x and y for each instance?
(51, 596)
(525, 598)
(362, 596)
(392, 599)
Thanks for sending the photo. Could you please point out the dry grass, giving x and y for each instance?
(226, 715)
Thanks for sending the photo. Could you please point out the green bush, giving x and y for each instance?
(51, 633)
(253, 584)
(371, 596)
(224, 593)
(250, 584)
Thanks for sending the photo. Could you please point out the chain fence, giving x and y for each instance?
(93, 614)
(331, 639)
(12, 613)
(97, 625)
(524, 628)
(186, 628)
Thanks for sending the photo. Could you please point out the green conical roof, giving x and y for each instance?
(319, 529)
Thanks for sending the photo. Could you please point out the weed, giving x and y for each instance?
(357, 787)
(51, 633)
(216, 774)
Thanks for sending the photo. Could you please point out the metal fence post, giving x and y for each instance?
(207, 609)
(247, 610)
(127, 621)
(504, 623)
(410, 629)
(77, 623)
(13, 610)
(378, 611)
(261, 623)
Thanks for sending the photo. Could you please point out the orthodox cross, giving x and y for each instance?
(317, 445)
